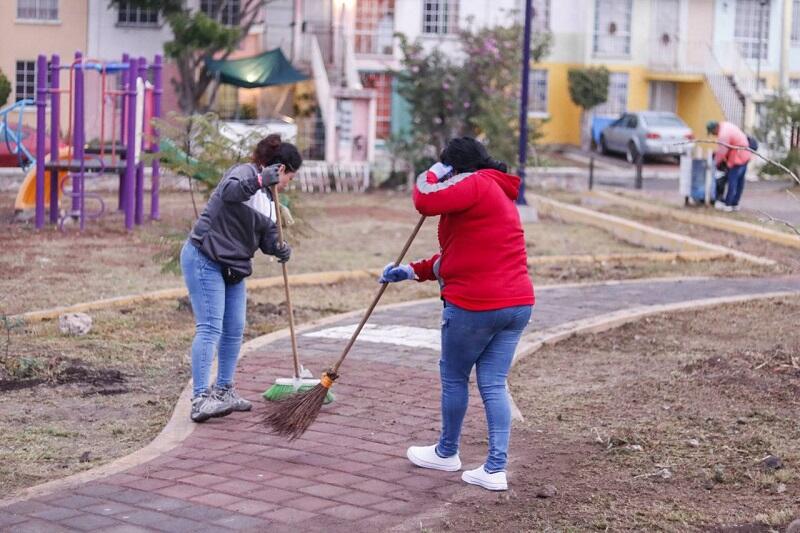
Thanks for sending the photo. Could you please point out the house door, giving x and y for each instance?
(663, 96)
(666, 29)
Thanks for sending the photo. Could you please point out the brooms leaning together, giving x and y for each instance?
(292, 415)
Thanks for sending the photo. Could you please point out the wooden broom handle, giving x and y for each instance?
(295, 357)
(377, 296)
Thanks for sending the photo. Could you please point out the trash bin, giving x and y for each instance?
(697, 179)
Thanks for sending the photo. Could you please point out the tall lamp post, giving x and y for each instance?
(523, 104)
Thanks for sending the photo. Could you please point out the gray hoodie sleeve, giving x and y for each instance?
(240, 184)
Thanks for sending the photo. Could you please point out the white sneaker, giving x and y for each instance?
(722, 206)
(480, 477)
(426, 457)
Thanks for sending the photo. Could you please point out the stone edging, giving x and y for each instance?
(733, 226)
(179, 427)
(636, 232)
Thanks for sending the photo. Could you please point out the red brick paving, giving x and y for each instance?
(349, 472)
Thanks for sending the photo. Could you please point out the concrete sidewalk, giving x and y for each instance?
(349, 471)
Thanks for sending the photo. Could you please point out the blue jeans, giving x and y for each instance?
(219, 314)
(735, 184)
(486, 340)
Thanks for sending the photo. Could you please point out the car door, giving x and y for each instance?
(612, 133)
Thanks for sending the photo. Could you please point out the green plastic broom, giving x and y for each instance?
(303, 379)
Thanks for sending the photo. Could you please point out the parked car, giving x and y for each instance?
(645, 133)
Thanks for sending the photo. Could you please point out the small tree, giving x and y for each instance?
(588, 87)
(5, 89)
(197, 37)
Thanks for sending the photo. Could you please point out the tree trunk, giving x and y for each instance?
(586, 134)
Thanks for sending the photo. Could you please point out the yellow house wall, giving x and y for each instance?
(696, 105)
(24, 40)
(563, 126)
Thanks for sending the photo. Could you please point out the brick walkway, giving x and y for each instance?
(349, 472)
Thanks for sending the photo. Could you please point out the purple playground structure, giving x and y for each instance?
(137, 100)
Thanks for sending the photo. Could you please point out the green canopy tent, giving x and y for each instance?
(263, 70)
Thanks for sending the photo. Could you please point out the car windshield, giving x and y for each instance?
(664, 121)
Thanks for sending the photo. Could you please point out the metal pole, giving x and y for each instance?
(523, 104)
(130, 127)
(591, 173)
(123, 118)
(41, 104)
(55, 118)
(140, 72)
(79, 135)
(154, 147)
(639, 180)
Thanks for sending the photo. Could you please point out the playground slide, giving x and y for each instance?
(26, 197)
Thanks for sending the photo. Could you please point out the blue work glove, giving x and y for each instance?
(440, 170)
(270, 176)
(393, 273)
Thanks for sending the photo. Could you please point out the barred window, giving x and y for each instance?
(25, 86)
(612, 27)
(751, 40)
(37, 9)
(381, 82)
(227, 12)
(796, 23)
(537, 91)
(374, 32)
(541, 15)
(617, 102)
(130, 15)
(439, 16)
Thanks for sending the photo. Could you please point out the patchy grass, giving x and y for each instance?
(660, 425)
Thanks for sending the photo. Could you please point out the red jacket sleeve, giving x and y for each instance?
(424, 268)
(432, 197)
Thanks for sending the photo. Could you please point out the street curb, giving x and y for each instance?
(636, 232)
(179, 426)
(733, 226)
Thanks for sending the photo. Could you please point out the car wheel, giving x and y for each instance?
(632, 154)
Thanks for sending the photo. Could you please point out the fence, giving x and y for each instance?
(320, 176)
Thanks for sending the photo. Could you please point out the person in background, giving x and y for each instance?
(487, 293)
(733, 159)
(238, 220)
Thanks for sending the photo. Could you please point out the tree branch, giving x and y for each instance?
(780, 221)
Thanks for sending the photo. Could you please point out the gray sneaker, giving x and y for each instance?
(208, 406)
(230, 398)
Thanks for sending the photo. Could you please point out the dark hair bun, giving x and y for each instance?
(466, 154)
(271, 150)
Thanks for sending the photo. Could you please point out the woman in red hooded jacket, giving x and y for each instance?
(488, 297)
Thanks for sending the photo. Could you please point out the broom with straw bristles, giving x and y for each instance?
(292, 416)
(302, 379)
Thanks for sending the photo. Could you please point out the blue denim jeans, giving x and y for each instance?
(486, 340)
(219, 314)
(735, 184)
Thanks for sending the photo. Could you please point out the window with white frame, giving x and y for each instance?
(37, 9)
(794, 84)
(537, 92)
(617, 102)
(439, 16)
(25, 80)
(751, 28)
(612, 27)
(227, 12)
(796, 23)
(541, 15)
(25, 86)
(374, 31)
(131, 15)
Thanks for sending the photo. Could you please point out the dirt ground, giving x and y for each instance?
(662, 425)
(73, 403)
(340, 232)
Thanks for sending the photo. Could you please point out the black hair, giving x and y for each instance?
(271, 150)
(466, 154)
